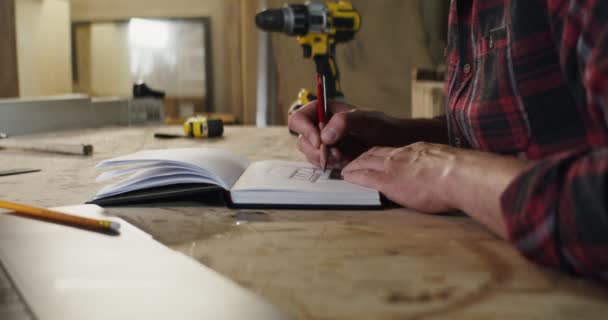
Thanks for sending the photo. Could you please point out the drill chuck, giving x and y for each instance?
(339, 20)
(292, 20)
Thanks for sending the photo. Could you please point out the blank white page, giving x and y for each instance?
(65, 273)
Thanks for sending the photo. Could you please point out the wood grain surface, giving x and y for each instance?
(388, 264)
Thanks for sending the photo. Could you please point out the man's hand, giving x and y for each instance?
(350, 132)
(437, 178)
(413, 176)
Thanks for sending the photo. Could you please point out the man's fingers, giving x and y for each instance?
(335, 156)
(366, 161)
(314, 160)
(336, 159)
(367, 178)
(374, 159)
(308, 149)
(304, 122)
(341, 124)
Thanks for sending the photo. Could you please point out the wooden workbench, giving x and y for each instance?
(390, 264)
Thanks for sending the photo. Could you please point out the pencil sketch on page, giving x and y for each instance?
(312, 175)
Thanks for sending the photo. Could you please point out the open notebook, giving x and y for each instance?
(65, 273)
(269, 183)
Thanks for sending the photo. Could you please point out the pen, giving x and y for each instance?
(321, 114)
(104, 226)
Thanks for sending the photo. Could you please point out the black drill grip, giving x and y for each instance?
(324, 65)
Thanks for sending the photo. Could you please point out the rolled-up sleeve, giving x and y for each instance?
(556, 212)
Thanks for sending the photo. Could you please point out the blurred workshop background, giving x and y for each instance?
(208, 55)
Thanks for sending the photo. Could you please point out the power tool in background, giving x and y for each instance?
(318, 27)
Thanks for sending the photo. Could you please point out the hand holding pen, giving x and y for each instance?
(346, 133)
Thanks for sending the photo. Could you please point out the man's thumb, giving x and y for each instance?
(340, 125)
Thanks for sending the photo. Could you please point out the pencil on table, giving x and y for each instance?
(61, 148)
(105, 226)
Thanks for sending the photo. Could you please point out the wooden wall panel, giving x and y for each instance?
(230, 44)
(43, 47)
(9, 78)
(249, 60)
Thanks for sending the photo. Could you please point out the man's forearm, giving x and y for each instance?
(475, 183)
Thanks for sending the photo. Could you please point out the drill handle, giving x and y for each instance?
(327, 67)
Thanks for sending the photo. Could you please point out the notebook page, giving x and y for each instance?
(286, 176)
(222, 166)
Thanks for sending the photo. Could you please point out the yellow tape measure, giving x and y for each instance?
(202, 127)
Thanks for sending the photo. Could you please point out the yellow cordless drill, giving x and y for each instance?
(318, 27)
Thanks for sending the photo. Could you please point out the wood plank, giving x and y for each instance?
(9, 77)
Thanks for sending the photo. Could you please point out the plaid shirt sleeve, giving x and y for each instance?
(557, 210)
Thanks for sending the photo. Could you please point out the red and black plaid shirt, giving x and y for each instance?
(529, 78)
